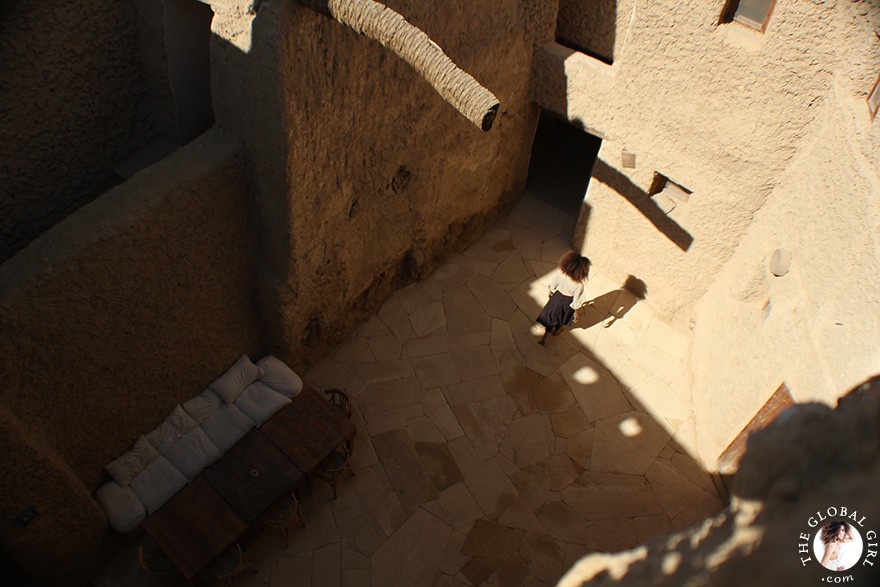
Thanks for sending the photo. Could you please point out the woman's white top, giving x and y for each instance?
(568, 287)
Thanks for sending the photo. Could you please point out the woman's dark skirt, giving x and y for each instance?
(557, 312)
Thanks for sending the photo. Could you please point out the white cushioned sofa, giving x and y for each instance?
(195, 434)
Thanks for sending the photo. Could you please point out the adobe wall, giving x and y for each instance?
(775, 142)
(364, 174)
(589, 26)
(153, 61)
(129, 306)
(362, 178)
(69, 109)
(719, 109)
(817, 328)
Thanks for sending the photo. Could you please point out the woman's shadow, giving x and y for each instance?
(614, 304)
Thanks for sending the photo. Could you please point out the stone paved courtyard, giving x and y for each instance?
(482, 457)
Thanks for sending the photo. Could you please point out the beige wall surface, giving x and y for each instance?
(69, 102)
(818, 327)
(590, 26)
(771, 133)
(133, 304)
(719, 109)
(365, 175)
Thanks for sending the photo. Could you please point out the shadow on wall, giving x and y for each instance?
(100, 93)
(197, 253)
(643, 202)
(588, 27)
(598, 170)
(248, 101)
(163, 265)
(553, 96)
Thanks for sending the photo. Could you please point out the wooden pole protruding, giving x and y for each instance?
(378, 22)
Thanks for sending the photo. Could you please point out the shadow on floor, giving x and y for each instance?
(614, 304)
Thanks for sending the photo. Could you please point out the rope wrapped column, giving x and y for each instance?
(378, 22)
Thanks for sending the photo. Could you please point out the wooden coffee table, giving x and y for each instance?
(308, 429)
(194, 526)
(252, 475)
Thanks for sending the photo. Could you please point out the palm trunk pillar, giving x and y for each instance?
(380, 23)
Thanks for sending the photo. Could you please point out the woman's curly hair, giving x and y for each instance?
(575, 266)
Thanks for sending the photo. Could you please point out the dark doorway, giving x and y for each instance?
(562, 162)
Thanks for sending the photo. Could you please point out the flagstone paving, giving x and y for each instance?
(482, 457)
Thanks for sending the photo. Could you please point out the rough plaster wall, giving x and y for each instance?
(69, 93)
(70, 530)
(718, 109)
(187, 25)
(818, 327)
(131, 305)
(247, 99)
(339, 229)
(810, 459)
(591, 26)
(158, 102)
(173, 39)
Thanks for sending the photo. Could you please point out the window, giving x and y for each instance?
(754, 14)
(667, 194)
(874, 98)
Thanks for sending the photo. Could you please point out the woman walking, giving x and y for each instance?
(566, 294)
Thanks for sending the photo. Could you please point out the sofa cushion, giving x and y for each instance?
(124, 468)
(125, 511)
(279, 376)
(144, 451)
(202, 405)
(182, 421)
(193, 452)
(226, 426)
(259, 402)
(234, 381)
(157, 483)
(175, 425)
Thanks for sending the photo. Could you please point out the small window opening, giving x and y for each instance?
(664, 185)
(754, 14)
(874, 99)
(667, 193)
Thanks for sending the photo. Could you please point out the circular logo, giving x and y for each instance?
(837, 545)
